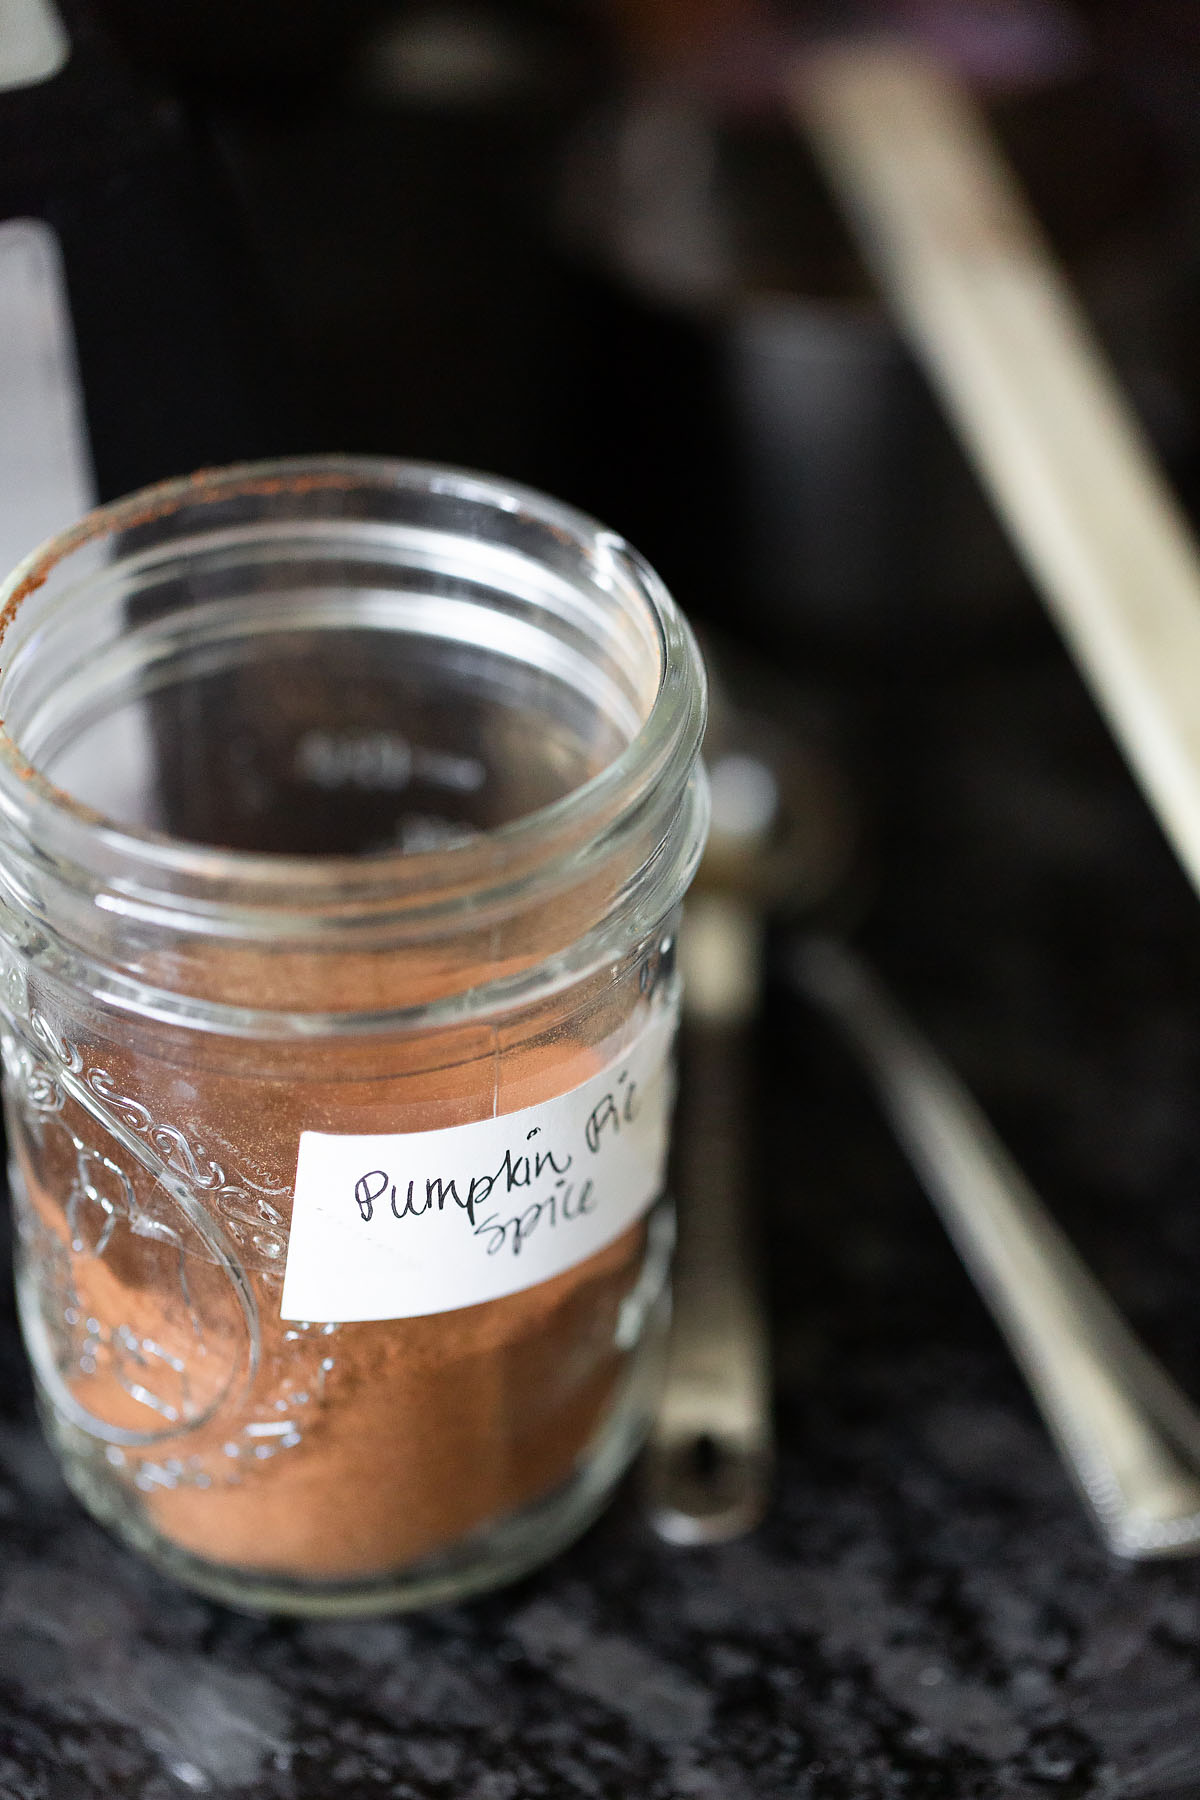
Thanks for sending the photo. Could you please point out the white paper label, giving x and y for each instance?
(405, 1223)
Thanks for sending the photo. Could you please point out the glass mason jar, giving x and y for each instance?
(346, 807)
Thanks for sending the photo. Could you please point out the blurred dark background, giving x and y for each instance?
(576, 244)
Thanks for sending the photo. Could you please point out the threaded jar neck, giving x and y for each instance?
(434, 727)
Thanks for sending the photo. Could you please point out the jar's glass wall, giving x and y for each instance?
(338, 1463)
(454, 720)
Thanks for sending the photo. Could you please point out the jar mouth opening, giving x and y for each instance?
(136, 856)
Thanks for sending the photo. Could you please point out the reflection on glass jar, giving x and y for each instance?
(346, 812)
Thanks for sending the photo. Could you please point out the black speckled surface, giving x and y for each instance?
(925, 1612)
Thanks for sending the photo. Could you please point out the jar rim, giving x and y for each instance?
(665, 744)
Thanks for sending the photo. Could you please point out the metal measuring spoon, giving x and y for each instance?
(784, 840)
(1127, 1433)
(781, 837)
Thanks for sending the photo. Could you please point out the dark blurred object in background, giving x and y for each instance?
(265, 51)
(776, 400)
(173, 339)
(576, 243)
(394, 163)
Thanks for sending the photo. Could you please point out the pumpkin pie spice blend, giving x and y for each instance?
(353, 1448)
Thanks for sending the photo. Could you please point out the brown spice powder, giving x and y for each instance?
(356, 1450)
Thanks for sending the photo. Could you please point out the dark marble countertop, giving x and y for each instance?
(926, 1610)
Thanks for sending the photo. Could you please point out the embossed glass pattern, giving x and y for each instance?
(344, 796)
